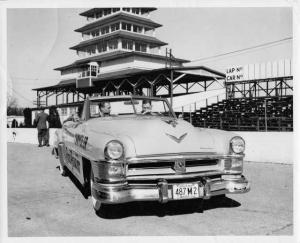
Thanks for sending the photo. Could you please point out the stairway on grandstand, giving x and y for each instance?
(246, 114)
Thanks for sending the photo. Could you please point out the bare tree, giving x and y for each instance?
(13, 107)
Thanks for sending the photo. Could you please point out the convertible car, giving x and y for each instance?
(139, 154)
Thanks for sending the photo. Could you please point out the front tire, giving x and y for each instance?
(62, 167)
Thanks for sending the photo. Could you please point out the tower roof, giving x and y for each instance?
(114, 55)
(91, 12)
(120, 16)
(123, 34)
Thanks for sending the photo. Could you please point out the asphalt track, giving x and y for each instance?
(43, 203)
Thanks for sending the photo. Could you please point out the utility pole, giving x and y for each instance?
(168, 63)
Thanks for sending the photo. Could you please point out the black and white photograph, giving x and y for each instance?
(140, 119)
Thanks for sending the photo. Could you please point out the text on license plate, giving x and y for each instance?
(184, 191)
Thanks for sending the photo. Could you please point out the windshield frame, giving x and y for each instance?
(132, 98)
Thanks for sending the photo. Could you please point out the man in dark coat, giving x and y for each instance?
(41, 121)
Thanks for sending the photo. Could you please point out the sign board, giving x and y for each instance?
(235, 74)
(281, 68)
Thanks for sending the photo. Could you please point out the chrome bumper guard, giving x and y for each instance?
(162, 191)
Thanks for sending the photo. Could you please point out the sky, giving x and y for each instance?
(38, 40)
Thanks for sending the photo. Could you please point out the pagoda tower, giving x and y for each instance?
(115, 41)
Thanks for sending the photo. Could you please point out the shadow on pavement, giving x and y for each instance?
(161, 210)
(84, 191)
(154, 208)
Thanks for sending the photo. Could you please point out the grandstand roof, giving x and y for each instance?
(184, 75)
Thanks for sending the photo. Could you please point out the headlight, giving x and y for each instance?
(114, 150)
(237, 145)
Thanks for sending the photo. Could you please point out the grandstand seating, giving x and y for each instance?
(246, 114)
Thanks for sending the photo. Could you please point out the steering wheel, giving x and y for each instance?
(147, 112)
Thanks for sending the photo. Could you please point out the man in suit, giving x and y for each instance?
(42, 125)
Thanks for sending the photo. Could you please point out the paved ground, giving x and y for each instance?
(43, 203)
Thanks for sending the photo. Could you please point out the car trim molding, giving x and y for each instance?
(177, 139)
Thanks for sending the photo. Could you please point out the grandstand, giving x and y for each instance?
(246, 114)
(251, 104)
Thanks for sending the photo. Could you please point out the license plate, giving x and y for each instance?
(185, 191)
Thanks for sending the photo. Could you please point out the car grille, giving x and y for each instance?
(170, 164)
(167, 170)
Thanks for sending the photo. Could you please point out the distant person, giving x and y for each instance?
(54, 120)
(14, 133)
(14, 123)
(104, 108)
(42, 125)
(79, 111)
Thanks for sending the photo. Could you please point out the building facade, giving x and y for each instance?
(115, 40)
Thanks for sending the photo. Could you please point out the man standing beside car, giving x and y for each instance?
(41, 121)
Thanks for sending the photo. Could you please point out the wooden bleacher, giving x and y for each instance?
(246, 114)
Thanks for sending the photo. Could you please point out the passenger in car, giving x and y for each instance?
(146, 107)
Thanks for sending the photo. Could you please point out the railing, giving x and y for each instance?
(194, 106)
(253, 124)
(86, 74)
(86, 37)
(93, 19)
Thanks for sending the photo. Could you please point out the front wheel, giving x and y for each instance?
(62, 167)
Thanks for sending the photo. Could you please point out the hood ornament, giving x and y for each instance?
(179, 139)
(172, 122)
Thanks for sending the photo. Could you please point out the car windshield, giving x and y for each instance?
(130, 106)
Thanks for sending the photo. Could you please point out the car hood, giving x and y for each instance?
(157, 135)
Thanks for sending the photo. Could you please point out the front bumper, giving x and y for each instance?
(162, 190)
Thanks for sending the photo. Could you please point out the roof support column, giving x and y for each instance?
(171, 88)
(37, 98)
(151, 91)
(47, 98)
